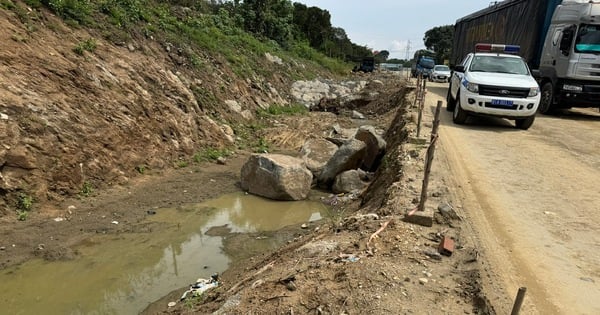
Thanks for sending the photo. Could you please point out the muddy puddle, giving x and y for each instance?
(122, 274)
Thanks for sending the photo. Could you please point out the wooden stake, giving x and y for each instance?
(518, 301)
(429, 156)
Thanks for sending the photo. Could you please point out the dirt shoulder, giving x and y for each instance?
(366, 259)
(42, 236)
(340, 265)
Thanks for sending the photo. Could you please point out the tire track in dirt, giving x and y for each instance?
(532, 197)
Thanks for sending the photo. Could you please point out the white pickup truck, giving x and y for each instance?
(494, 81)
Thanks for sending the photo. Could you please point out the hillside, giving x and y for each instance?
(107, 117)
(80, 112)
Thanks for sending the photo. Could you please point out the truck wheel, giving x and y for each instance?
(525, 123)
(450, 102)
(459, 116)
(546, 99)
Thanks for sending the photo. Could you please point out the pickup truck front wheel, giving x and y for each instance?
(525, 123)
(459, 115)
(450, 102)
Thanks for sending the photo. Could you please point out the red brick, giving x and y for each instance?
(446, 246)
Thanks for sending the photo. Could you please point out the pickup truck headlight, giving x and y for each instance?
(534, 91)
(573, 88)
(473, 87)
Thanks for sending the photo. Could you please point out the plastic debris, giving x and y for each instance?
(171, 304)
(115, 222)
(347, 258)
(59, 219)
(201, 286)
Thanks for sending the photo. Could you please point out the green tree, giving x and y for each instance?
(382, 56)
(269, 18)
(439, 39)
(313, 24)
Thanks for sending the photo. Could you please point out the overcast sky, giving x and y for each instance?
(390, 24)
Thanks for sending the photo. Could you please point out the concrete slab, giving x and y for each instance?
(419, 141)
(424, 218)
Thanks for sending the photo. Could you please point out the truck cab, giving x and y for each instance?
(423, 63)
(570, 63)
(367, 64)
(494, 81)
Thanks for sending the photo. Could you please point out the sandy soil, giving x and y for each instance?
(532, 198)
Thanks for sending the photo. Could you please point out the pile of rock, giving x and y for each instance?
(340, 165)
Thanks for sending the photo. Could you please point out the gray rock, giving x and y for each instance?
(316, 153)
(358, 115)
(318, 248)
(276, 176)
(447, 211)
(375, 147)
(274, 59)
(348, 181)
(20, 157)
(348, 157)
(310, 92)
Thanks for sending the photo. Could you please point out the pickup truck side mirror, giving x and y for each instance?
(536, 73)
(566, 40)
(459, 68)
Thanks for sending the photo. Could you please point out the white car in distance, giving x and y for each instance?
(440, 73)
(494, 81)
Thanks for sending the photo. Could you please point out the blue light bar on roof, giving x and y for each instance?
(509, 49)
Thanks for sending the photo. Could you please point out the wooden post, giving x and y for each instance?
(417, 93)
(429, 156)
(518, 301)
(421, 105)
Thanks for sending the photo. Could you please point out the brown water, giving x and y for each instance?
(122, 274)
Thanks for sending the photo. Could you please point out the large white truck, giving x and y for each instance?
(560, 38)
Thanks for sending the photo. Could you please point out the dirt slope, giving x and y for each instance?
(72, 122)
(117, 125)
(338, 267)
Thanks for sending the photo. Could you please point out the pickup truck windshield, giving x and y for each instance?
(498, 64)
(588, 39)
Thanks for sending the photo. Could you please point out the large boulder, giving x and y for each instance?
(348, 157)
(348, 181)
(276, 176)
(316, 153)
(375, 147)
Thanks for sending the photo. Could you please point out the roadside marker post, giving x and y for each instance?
(421, 102)
(519, 301)
(429, 156)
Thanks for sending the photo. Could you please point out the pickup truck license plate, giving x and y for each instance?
(502, 102)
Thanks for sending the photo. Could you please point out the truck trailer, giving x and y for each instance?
(560, 38)
(423, 63)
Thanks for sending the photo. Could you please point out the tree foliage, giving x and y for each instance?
(288, 24)
(382, 56)
(269, 18)
(439, 39)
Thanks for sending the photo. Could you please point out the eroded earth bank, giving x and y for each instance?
(114, 135)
